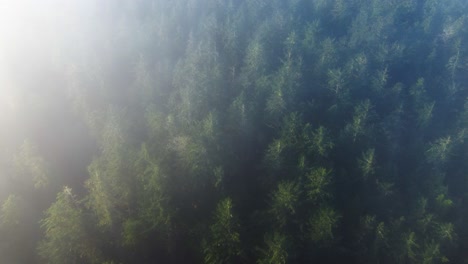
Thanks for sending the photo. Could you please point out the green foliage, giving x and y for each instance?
(291, 130)
(439, 151)
(276, 104)
(284, 85)
(328, 54)
(447, 232)
(273, 157)
(410, 246)
(359, 125)
(11, 213)
(31, 166)
(196, 79)
(238, 111)
(310, 37)
(254, 61)
(109, 187)
(275, 250)
(191, 153)
(99, 198)
(156, 123)
(218, 173)
(318, 183)
(386, 188)
(284, 201)
(321, 141)
(418, 90)
(431, 254)
(209, 126)
(380, 80)
(336, 82)
(367, 163)
(357, 66)
(425, 114)
(381, 233)
(66, 240)
(307, 114)
(443, 202)
(338, 10)
(131, 232)
(322, 225)
(224, 245)
(152, 200)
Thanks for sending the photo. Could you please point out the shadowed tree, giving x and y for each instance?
(321, 141)
(284, 201)
(367, 163)
(360, 124)
(275, 250)
(322, 226)
(223, 244)
(439, 151)
(318, 184)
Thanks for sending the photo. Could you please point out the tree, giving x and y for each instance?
(409, 245)
(151, 212)
(110, 188)
(318, 184)
(275, 251)
(30, 166)
(321, 141)
(11, 212)
(322, 225)
(284, 201)
(439, 151)
(367, 163)
(223, 244)
(66, 239)
(273, 156)
(336, 82)
(360, 124)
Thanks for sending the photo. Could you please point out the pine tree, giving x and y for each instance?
(66, 239)
(223, 244)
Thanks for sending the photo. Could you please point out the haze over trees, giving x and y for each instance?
(247, 131)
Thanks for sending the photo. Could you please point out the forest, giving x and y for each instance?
(234, 131)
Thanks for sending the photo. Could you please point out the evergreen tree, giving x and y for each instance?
(223, 244)
(66, 239)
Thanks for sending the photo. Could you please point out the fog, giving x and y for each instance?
(250, 131)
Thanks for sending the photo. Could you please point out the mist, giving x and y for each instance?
(250, 131)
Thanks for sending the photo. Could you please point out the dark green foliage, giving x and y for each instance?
(321, 141)
(275, 251)
(224, 244)
(439, 151)
(284, 201)
(247, 131)
(359, 126)
(318, 184)
(322, 226)
(367, 163)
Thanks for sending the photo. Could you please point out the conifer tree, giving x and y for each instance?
(223, 244)
(66, 238)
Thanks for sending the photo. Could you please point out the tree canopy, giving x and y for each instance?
(249, 131)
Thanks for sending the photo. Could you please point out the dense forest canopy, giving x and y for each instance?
(234, 131)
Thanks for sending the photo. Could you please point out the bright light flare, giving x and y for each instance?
(32, 35)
